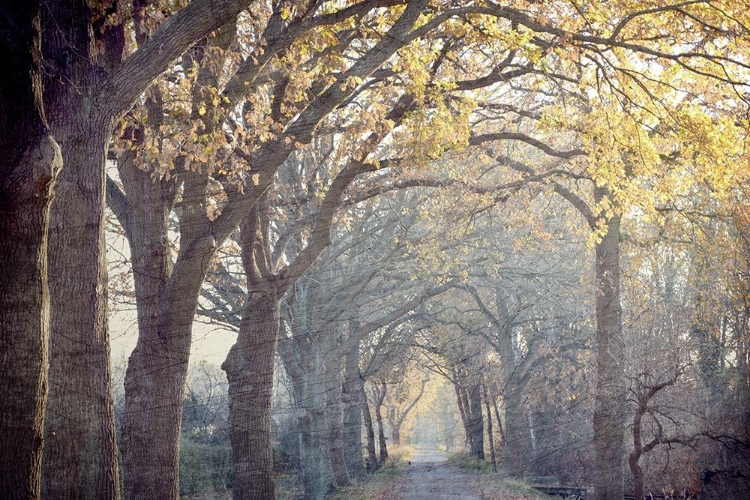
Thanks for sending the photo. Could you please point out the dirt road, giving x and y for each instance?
(431, 477)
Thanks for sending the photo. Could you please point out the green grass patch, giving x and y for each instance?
(464, 460)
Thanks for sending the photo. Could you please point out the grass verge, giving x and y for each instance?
(494, 487)
(381, 485)
(464, 460)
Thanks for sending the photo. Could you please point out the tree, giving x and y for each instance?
(30, 162)
(81, 95)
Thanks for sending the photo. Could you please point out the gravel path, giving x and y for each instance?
(430, 477)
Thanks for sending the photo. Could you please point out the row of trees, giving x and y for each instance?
(219, 112)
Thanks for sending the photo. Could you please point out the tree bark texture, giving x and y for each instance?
(372, 457)
(490, 436)
(378, 404)
(29, 163)
(304, 363)
(352, 399)
(166, 298)
(476, 421)
(635, 456)
(85, 92)
(462, 410)
(517, 435)
(249, 367)
(609, 414)
(334, 411)
(80, 459)
(317, 474)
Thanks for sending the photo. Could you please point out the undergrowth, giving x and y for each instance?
(464, 460)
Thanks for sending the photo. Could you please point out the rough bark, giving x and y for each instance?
(380, 393)
(304, 363)
(635, 456)
(29, 164)
(166, 300)
(85, 93)
(317, 475)
(80, 459)
(517, 435)
(372, 457)
(476, 422)
(609, 422)
(334, 411)
(307, 374)
(249, 368)
(351, 397)
(462, 410)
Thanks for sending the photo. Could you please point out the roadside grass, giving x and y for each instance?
(383, 484)
(492, 486)
(464, 460)
(495, 487)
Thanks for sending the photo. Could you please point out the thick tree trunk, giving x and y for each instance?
(334, 412)
(476, 422)
(517, 435)
(249, 367)
(351, 398)
(80, 459)
(317, 474)
(154, 391)
(609, 421)
(166, 301)
(372, 457)
(29, 163)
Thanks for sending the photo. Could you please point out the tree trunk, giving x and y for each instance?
(476, 422)
(166, 299)
(29, 164)
(396, 435)
(517, 436)
(381, 435)
(80, 459)
(609, 421)
(317, 474)
(489, 429)
(637, 472)
(334, 411)
(351, 397)
(463, 412)
(249, 367)
(372, 457)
